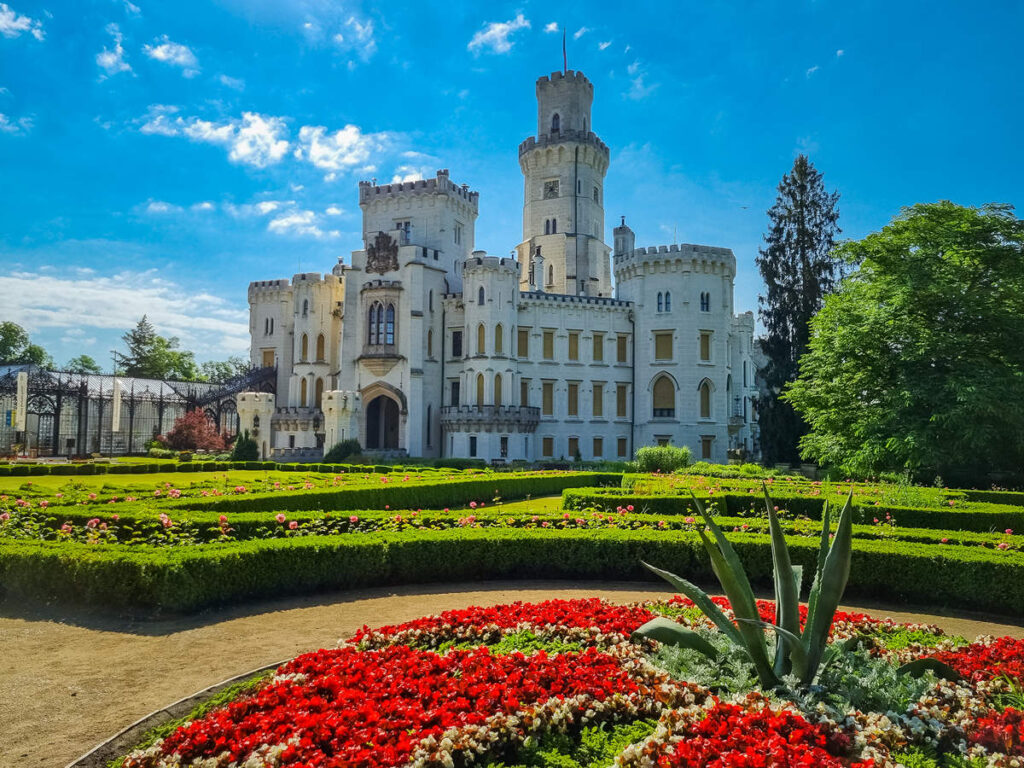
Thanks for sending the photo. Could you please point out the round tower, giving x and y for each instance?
(564, 167)
(490, 296)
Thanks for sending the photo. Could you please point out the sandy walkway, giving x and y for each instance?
(70, 681)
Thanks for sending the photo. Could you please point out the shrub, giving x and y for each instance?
(195, 431)
(160, 453)
(341, 451)
(663, 458)
(245, 449)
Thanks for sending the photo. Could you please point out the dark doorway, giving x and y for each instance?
(382, 424)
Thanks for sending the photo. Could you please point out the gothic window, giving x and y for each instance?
(302, 393)
(498, 343)
(305, 307)
(430, 342)
(430, 301)
(389, 327)
(705, 301)
(255, 422)
(320, 348)
(372, 325)
(668, 301)
(547, 226)
(456, 343)
(480, 296)
(497, 389)
(554, 226)
(555, 123)
(551, 275)
(660, 303)
(479, 389)
(664, 398)
(596, 196)
(705, 399)
(481, 340)
(304, 351)
(318, 402)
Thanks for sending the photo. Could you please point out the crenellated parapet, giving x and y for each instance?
(479, 262)
(441, 184)
(682, 257)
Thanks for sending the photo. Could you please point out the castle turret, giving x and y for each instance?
(625, 239)
(564, 167)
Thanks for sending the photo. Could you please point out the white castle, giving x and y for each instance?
(427, 347)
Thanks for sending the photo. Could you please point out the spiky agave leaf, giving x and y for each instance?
(701, 600)
(819, 566)
(787, 593)
(673, 633)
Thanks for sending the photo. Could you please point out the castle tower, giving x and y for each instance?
(624, 239)
(564, 167)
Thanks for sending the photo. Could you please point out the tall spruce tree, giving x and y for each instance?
(154, 357)
(798, 269)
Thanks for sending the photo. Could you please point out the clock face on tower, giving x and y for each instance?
(550, 189)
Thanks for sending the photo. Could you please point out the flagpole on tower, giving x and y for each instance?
(565, 58)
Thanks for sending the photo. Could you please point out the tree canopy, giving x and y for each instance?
(15, 347)
(152, 356)
(798, 270)
(916, 363)
(83, 364)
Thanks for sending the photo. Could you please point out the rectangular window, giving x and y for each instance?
(663, 346)
(598, 347)
(455, 394)
(472, 446)
(620, 400)
(547, 447)
(705, 345)
(705, 446)
(574, 345)
(268, 358)
(456, 343)
(549, 345)
(598, 400)
(574, 399)
(598, 447)
(524, 392)
(504, 447)
(620, 348)
(548, 398)
(621, 449)
(458, 233)
(574, 447)
(524, 343)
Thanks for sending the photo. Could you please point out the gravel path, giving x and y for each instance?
(68, 681)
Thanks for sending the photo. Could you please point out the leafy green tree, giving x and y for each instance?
(245, 448)
(15, 347)
(798, 270)
(219, 371)
(152, 356)
(83, 364)
(916, 363)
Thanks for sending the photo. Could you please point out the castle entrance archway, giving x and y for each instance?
(382, 419)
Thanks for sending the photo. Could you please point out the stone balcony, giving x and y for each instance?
(490, 418)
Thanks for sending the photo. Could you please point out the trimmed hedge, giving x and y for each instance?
(976, 517)
(153, 580)
(1015, 498)
(220, 466)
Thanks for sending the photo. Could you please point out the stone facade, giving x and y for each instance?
(422, 345)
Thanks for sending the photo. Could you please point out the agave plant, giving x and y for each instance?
(802, 654)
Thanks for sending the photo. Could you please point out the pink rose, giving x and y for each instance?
(293, 524)
(279, 517)
(353, 519)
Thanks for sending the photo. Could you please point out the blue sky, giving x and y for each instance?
(157, 156)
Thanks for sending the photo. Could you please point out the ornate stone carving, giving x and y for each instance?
(382, 254)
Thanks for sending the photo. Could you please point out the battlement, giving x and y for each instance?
(563, 137)
(560, 79)
(683, 250)
(481, 261)
(568, 298)
(268, 285)
(440, 184)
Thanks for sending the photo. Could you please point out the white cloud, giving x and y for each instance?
(333, 210)
(338, 151)
(236, 83)
(12, 24)
(410, 173)
(580, 33)
(41, 299)
(300, 223)
(357, 37)
(21, 125)
(255, 140)
(495, 36)
(638, 89)
(111, 60)
(603, 45)
(261, 208)
(840, 53)
(176, 54)
(551, 26)
(160, 207)
(812, 70)
(205, 205)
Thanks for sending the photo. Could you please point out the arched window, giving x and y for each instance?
(551, 274)
(547, 226)
(664, 398)
(668, 301)
(430, 342)
(481, 340)
(479, 389)
(660, 304)
(389, 326)
(255, 422)
(320, 348)
(318, 401)
(555, 123)
(372, 325)
(430, 301)
(705, 301)
(554, 226)
(305, 307)
(499, 332)
(271, 326)
(705, 399)
(305, 348)
(302, 393)
(497, 389)
(480, 296)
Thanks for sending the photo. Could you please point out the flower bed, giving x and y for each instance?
(561, 683)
